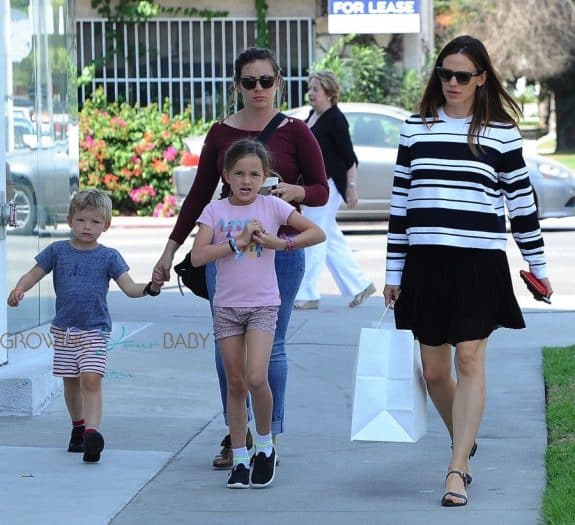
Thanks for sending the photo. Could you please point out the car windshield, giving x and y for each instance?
(374, 130)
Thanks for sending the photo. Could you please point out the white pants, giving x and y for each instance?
(334, 252)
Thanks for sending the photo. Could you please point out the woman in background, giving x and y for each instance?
(330, 128)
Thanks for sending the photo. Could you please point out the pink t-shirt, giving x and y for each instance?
(250, 278)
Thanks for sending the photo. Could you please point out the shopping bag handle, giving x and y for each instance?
(387, 308)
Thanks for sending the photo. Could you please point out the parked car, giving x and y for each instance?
(44, 176)
(23, 107)
(374, 130)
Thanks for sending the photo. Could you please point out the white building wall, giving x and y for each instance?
(236, 8)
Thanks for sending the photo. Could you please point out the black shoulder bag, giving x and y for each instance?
(194, 277)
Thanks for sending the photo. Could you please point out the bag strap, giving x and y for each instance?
(272, 125)
(263, 136)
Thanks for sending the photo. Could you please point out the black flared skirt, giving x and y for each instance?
(450, 295)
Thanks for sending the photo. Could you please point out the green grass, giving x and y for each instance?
(559, 373)
(546, 146)
(567, 159)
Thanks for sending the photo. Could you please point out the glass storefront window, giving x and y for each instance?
(41, 141)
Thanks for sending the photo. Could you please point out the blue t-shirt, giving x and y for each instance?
(81, 280)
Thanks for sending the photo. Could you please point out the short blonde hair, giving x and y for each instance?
(92, 199)
(329, 82)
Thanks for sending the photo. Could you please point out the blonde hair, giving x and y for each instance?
(92, 199)
(329, 83)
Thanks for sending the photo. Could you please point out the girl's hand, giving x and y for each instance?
(249, 229)
(391, 294)
(289, 192)
(16, 295)
(267, 240)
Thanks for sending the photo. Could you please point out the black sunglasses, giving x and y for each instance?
(266, 82)
(462, 77)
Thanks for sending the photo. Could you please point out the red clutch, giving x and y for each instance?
(535, 286)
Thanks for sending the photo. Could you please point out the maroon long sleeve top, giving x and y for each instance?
(295, 155)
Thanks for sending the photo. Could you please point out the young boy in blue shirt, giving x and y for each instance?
(82, 269)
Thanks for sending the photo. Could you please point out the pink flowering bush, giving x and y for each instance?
(131, 153)
(167, 208)
(143, 194)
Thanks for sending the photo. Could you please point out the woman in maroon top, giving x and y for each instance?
(297, 157)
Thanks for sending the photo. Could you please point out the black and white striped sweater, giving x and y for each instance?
(443, 195)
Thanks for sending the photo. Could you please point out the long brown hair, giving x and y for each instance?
(492, 102)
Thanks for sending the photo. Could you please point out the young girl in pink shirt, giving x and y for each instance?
(239, 233)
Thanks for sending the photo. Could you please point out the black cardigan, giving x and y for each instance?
(331, 130)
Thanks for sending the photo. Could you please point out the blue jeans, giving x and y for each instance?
(290, 268)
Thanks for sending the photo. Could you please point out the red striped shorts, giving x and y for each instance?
(78, 351)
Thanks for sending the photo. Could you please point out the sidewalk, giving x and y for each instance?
(162, 423)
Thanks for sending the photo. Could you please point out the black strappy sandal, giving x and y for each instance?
(445, 501)
(472, 451)
(468, 478)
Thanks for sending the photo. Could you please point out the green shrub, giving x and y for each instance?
(131, 153)
(367, 74)
(411, 91)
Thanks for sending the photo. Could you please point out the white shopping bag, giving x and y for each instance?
(389, 399)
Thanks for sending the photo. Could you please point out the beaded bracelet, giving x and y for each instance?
(290, 245)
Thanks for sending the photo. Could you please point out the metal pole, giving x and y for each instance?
(5, 118)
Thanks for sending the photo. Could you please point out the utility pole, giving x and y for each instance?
(418, 46)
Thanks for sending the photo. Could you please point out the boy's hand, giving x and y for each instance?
(150, 289)
(16, 295)
(156, 287)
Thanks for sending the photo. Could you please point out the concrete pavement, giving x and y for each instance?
(162, 424)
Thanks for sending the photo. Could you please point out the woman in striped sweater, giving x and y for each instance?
(459, 165)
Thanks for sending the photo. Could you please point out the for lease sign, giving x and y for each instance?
(374, 16)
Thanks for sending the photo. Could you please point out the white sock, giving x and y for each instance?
(264, 444)
(241, 456)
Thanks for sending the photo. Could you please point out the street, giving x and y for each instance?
(141, 241)
(141, 247)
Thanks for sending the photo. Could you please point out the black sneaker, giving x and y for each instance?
(77, 439)
(263, 470)
(93, 445)
(239, 477)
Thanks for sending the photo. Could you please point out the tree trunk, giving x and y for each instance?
(565, 110)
